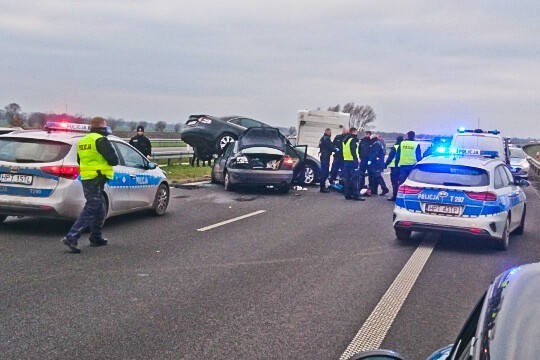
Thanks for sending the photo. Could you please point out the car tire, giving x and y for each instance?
(2, 218)
(227, 182)
(403, 235)
(309, 174)
(213, 179)
(504, 241)
(521, 228)
(161, 200)
(223, 140)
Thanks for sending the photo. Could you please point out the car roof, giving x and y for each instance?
(508, 327)
(62, 136)
(474, 161)
(479, 134)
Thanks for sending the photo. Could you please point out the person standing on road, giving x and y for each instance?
(96, 157)
(394, 170)
(364, 151)
(141, 142)
(350, 166)
(376, 166)
(407, 155)
(337, 164)
(325, 151)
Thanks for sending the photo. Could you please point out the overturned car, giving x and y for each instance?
(261, 157)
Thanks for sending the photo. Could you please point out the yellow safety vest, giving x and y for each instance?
(92, 163)
(408, 152)
(393, 162)
(347, 154)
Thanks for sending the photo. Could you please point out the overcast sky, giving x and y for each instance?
(424, 65)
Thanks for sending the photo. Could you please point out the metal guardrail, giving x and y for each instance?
(533, 151)
(186, 151)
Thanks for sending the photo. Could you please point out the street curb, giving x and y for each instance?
(177, 183)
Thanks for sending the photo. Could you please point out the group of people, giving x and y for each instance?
(357, 159)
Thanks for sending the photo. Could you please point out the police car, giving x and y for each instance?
(471, 195)
(39, 176)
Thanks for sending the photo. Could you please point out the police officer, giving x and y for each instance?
(141, 142)
(376, 166)
(326, 148)
(337, 164)
(407, 155)
(365, 149)
(96, 157)
(350, 166)
(394, 170)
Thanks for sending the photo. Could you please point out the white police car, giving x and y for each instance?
(470, 195)
(39, 176)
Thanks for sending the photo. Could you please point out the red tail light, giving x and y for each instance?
(482, 196)
(288, 162)
(65, 171)
(409, 190)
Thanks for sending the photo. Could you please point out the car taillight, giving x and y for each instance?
(409, 190)
(288, 162)
(204, 120)
(481, 196)
(65, 171)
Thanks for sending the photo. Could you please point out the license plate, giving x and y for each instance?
(443, 209)
(16, 179)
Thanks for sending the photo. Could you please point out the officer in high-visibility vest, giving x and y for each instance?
(407, 155)
(394, 170)
(96, 157)
(351, 166)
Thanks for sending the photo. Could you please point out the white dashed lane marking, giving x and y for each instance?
(372, 333)
(210, 227)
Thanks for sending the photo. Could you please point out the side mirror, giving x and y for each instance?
(442, 353)
(521, 182)
(151, 165)
(376, 355)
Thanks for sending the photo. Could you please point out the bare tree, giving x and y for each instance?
(160, 126)
(336, 108)
(37, 120)
(13, 115)
(144, 124)
(132, 125)
(360, 115)
(177, 127)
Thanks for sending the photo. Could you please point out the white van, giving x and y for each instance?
(311, 126)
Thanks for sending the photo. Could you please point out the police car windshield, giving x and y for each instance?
(450, 175)
(19, 150)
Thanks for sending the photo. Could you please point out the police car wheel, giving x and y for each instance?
(521, 228)
(2, 218)
(161, 200)
(309, 175)
(403, 235)
(504, 241)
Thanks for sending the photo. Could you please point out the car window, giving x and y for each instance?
(130, 157)
(466, 337)
(498, 180)
(451, 175)
(228, 149)
(480, 142)
(20, 150)
(517, 153)
(509, 176)
(247, 123)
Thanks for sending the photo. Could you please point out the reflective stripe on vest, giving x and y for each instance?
(92, 163)
(407, 154)
(393, 162)
(347, 154)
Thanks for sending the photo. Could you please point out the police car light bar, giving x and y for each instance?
(66, 126)
(462, 129)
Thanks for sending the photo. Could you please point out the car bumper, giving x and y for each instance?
(197, 137)
(481, 226)
(260, 177)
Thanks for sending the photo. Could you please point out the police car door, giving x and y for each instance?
(504, 190)
(135, 182)
(517, 198)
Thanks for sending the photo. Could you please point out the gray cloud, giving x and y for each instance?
(426, 65)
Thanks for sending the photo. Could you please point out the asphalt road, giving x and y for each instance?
(296, 281)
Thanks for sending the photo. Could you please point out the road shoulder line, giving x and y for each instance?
(210, 227)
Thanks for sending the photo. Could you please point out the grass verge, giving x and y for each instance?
(183, 172)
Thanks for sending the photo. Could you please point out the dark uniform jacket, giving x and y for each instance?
(376, 155)
(365, 148)
(326, 147)
(141, 143)
(338, 146)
